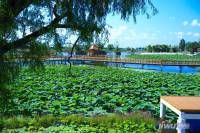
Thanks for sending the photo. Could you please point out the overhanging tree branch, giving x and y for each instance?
(21, 42)
(16, 6)
(71, 53)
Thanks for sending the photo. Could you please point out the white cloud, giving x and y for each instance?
(131, 37)
(189, 33)
(179, 34)
(196, 34)
(193, 34)
(116, 32)
(123, 27)
(195, 22)
(132, 33)
(145, 35)
(185, 23)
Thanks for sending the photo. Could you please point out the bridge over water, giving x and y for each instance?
(128, 60)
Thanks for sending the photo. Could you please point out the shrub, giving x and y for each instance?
(46, 121)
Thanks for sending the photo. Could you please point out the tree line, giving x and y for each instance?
(183, 46)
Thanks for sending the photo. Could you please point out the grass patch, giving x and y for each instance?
(113, 122)
(165, 57)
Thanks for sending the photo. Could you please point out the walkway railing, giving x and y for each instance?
(115, 60)
(129, 60)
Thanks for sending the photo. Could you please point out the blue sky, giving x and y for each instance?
(176, 19)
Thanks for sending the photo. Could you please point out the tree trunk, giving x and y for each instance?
(71, 53)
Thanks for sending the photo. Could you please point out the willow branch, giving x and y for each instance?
(23, 41)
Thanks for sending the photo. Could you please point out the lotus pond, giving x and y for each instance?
(95, 90)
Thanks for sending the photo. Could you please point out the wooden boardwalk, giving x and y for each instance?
(129, 60)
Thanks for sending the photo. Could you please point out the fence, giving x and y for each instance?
(117, 60)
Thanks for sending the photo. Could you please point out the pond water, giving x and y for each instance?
(157, 68)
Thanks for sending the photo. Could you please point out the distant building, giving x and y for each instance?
(197, 52)
(93, 50)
